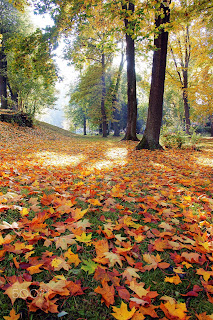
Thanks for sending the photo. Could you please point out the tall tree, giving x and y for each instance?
(8, 26)
(151, 135)
(180, 48)
(115, 102)
(31, 71)
(129, 9)
(189, 64)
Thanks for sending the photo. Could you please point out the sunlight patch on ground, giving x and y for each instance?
(47, 158)
(157, 165)
(205, 161)
(117, 159)
(116, 153)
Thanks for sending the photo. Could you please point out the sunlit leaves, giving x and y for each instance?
(122, 313)
(18, 290)
(128, 253)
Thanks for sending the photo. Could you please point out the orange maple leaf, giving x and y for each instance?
(12, 316)
(35, 269)
(107, 292)
(154, 262)
(204, 316)
(175, 279)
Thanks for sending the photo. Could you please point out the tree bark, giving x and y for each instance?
(131, 78)
(14, 97)
(116, 112)
(85, 125)
(186, 102)
(151, 135)
(103, 111)
(211, 125)
(184, 63)
(3, 80)
(185, 81)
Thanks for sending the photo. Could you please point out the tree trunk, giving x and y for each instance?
(3, 80)
(131, 78)
(103, 111)
(186, 110)
(116, 112)
(14, 97)
(116, 125)
(85, 125)
(151, 135)
(184, 63)
(211, 125)
(185, 100)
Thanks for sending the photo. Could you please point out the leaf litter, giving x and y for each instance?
(86, 221)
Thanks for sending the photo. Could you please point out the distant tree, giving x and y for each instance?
(180, 49)
(94, 46)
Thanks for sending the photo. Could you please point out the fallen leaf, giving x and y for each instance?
(122, 313)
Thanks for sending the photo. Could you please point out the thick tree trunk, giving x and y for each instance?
(151, 135)
(116, 125)
(103, 111)
(131, 79)
(3, 80)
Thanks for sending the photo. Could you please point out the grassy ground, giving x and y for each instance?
(93, 224)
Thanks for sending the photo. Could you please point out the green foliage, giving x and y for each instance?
(172, 137)
(195, 139)
(175, 137)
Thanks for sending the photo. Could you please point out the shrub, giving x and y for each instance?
(172, 138)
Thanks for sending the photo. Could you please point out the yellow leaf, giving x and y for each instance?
(122, 313)
(78, 214)
(206, 274)
(24, 212)
(84, 238)
(95, 202)
(138, 288)
(56, 263)
(186, 264)
(176, 309)
(52, 210)
(175, 279)
(72, 257)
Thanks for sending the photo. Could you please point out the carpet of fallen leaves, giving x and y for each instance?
(92, 229)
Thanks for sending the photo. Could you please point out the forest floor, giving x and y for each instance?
(92, 229)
